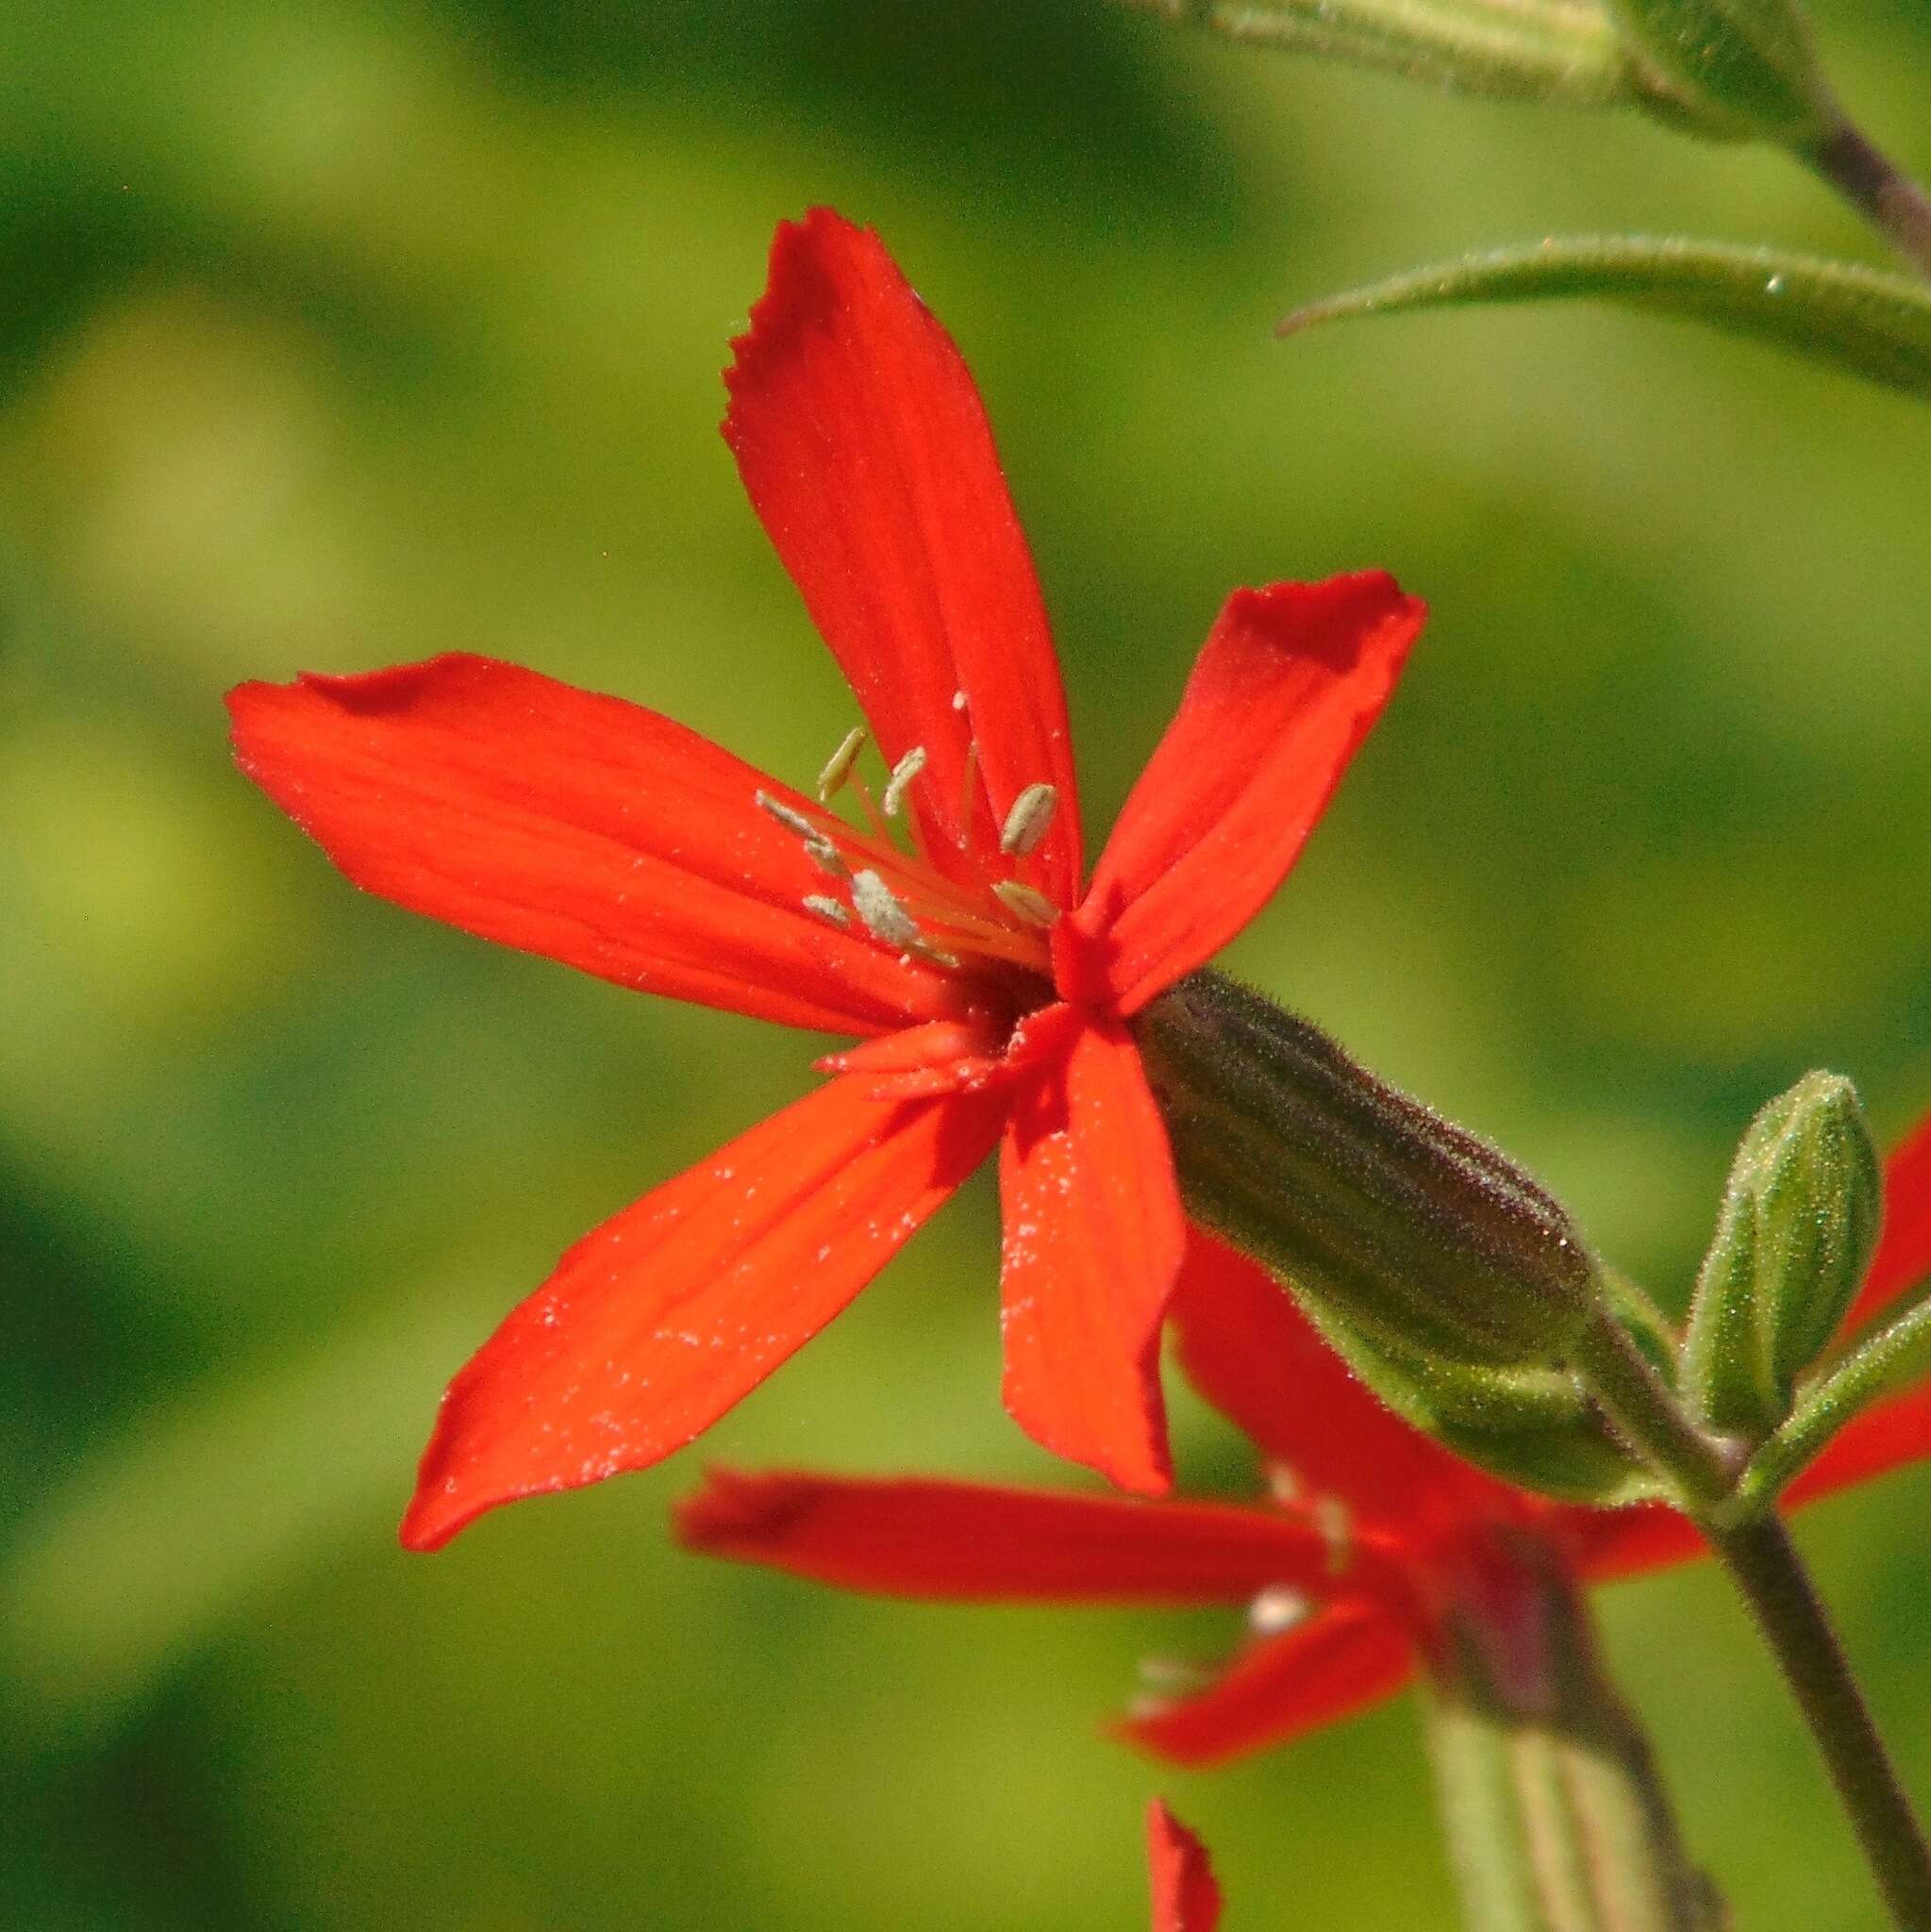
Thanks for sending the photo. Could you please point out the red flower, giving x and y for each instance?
(991, 992)
(1186, 1899)
(1376, 1534)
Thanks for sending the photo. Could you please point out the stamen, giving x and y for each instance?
(1027, 823)
(1020, 899)
(1172, 1674)
(789, 818)
(1337, 1528)
(881, 830)
(837, 768)
(968, 783)
(900, 782)
(885, 918)
(937, 955)
(828, 908)
(1277, 1610)
(959, 701)
(827, 856)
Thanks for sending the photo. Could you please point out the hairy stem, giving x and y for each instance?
(1887, 197)
(1767, 1569)
(1556, 1818)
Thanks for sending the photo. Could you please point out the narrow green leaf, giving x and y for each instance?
(1832, 311)
(1892, 1358)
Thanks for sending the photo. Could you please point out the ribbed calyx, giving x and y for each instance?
(1451, 1281)
(1412, 1229)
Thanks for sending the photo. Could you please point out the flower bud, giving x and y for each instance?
(1422, 1239)
(1744, 66)
(1794, 1235)
(1451, 1283)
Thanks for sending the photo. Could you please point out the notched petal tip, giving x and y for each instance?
(733, 1509)
(796, 282)
(1331, 620)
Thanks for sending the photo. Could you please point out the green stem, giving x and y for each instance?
(1878, 190)
(1554, 1816)
(1638, 1400)
(1767, 1569)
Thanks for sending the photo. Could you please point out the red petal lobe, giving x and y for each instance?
(1251, 1352)
(1341, 1661)
(1904, 1250)
(866, 453)
(1612, 1543)
(1290, 681)
(574, 825)
(971, 1542)
(1186, 1897)
(1093, 1237)
(661, 1320)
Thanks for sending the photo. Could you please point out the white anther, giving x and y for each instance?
(1172, 1674)
(1284, 1486)
(959, 701)
(1277, 1610)
(885, 918)
(1023, 903)
(900, 782)
(838, 767)
(1337, 1528)
(1027, 823)
(827, 856)
(826, 908)
(789, 818)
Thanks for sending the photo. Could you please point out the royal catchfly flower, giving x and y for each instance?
(1378, 1545)
(1186, 1898)
(991, 985)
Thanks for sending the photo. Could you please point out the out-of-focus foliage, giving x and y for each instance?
(335, 334)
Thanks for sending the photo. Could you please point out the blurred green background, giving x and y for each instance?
(336, 334)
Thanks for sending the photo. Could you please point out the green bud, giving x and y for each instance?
(1794, 1236)
(1746, 65)
(1422, 1240)
(1449, 1282)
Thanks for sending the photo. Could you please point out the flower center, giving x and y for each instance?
(899, 895)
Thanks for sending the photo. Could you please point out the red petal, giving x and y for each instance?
(1290, 682)
(1612, 1543)
(1186, 1898)
(1251, 1352)
(657, 1321)
(1887, 1436)
(1343, 1659)
(1093, 1235)
(574, 825)
(866, 453)
(972, 1542)
(1904, 1252)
